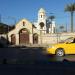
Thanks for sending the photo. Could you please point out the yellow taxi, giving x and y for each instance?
(68, 47)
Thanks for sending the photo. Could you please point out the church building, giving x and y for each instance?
(43, 23)
(26, 32)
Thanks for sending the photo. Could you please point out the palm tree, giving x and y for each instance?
(51, 18)
(71, 8)
(62, 28)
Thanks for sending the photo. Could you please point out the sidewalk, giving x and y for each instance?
(30, 45)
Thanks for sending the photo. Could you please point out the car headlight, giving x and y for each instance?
(51, 46)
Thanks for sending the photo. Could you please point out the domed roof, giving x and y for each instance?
(42, 10)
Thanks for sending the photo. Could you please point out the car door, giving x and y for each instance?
(70, 47)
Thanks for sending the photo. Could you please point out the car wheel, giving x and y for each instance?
(60, 52)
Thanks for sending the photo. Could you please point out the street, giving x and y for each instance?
(30, 56)
(34, 61)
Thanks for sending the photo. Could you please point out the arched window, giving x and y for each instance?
(23, 23)
(41, 16)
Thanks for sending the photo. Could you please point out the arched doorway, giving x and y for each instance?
(23, 36)
(13, 39)
(35, 38)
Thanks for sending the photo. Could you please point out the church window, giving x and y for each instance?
(41, 16)
(23, 23)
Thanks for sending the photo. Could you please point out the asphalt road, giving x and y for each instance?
(30, 56)
(34, 61)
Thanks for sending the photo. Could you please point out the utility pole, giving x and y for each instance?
(66, 27)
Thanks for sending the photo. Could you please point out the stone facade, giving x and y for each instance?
(44, 23)
(23, 32)
(56, 38)
(26, 32)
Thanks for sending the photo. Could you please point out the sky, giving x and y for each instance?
(12, 11)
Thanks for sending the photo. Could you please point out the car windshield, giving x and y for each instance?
(71, 39)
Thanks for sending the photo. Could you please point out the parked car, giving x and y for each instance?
(60, 49)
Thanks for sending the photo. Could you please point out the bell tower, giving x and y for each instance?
(42, 20)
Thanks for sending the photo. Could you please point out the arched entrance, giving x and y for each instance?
(35, 38)
(13, 39)
(23, 36)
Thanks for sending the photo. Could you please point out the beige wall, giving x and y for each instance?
(20, 26)
(55, 38)
(42, 38)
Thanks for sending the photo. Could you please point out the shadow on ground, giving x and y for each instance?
(25, 55)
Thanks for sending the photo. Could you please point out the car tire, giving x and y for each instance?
(60, 52)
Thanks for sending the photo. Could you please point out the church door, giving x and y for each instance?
(35, 38)
(13, 39)
(24, 36)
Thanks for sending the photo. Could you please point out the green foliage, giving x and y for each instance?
(4, 28)
(62, 28)
(51, 17)
(71, 8)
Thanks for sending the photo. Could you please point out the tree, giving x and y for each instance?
(51, 18)
(61, 27)
(71, 8)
